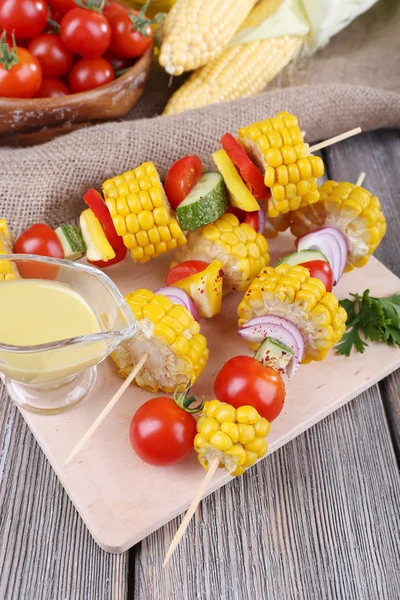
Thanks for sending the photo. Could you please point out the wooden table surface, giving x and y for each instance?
(316, 520)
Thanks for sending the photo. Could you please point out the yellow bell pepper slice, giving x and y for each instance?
(205, 289)
(240, 195)
(98, 246)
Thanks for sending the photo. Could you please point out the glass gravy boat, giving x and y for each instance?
(52, 377)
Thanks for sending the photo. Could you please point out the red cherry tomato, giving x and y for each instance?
(51, 88)
(117, 62)
(43, 241)
(251, 175)
(61, 6)
(185, 269)
(244, 381)
(127, 38)
(90, 73)
(181, 178)
(55, 58)
(23, 79)
(113, 8)
(320, 269)
(85, 32)
(162, 433)
(24, 18)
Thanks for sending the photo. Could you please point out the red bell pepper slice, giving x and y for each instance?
(251, 175)
(95, 202)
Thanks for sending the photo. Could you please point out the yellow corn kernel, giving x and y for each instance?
(246, 433)
(238, 453)
(247, 414)
(221, 441)
(251, 458)
(232, 430)
(208, 426)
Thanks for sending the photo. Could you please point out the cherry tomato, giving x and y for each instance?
(55, 58)
(244, 381)
(117, 62)
(51, 88)
(25, 18)
(251, 175)
(113, 8)
(61, 6)
(185, 269)
(24, 78)
(320, 269)
(89, 73)
(181, 178)
(128, 38)
(85, 32)
(161, 432)
(43, 241)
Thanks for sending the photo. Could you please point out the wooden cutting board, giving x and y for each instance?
(123, 500)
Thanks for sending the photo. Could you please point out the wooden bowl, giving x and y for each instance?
(31, 121)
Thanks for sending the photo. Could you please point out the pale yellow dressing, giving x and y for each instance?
(35, 311)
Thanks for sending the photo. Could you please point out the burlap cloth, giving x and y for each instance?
(354, 81)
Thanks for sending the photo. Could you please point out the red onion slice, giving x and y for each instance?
(178, 296)
(261, 219)
(279, 328)
(331, 243)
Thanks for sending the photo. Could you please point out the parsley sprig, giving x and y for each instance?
(376, 319)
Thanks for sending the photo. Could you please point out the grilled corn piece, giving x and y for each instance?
(196, 31)
(241, 71)
(141, 213)
(8, 270)
(277, 146)
(351, 209)
(242, 251)
(290, 292)
(177, 351)
(235, 436)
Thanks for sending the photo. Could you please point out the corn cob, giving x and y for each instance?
(196, 31)
(351, 209)
(277, 145)
(8, 270)
(177, 351)
(240, 71)
(290, 292)
(234, 436)
(241, 250)
(141, 213)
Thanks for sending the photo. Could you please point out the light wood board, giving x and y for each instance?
(123, 500)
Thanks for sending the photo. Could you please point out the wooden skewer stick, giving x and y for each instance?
(336, 139)
(107, 408)
(191, 510)
(361, 178)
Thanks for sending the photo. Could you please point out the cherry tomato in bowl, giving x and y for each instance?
(320, 269)
(181, 178)
(20, 72)
(113, 8)
(244, 381)
(90, 73)
(25, 18)
(52, 88)
(131, 35)
(40, 240)
(161, 432)
(85, 32)
(185, 269)
(61, 6)
(54, 57)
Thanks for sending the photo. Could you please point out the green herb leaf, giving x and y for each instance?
(375, 319)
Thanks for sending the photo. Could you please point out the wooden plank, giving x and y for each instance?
(46, 552)
(317, 519)
(377, 153)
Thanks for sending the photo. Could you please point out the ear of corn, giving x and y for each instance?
(196, 31)
(235, 436)
(177, 351)
(290, 292)
(141, 213)
(240, 71)
(351, 209)
(8, 269)
(241, 250)
(277, 146)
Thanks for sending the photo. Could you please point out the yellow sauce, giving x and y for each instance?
(34, 311)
